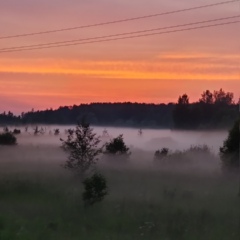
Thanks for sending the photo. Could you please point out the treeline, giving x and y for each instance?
(9, 118)
(213, 111)
(110, 114)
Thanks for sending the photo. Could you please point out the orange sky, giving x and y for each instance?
(152, 69)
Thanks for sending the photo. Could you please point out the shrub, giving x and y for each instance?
(7, 139)
(95, 189)
(117, 147)
(159, 154)
(16, 131)
(199, 157)
(202, 149)
(56, 132)
(199, 153)
(229, 153)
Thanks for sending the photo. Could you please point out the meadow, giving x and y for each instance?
(39, 199)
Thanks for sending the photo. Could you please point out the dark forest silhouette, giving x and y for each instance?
(215, 110)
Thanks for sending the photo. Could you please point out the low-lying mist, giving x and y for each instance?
(35, 152)
(150, 139)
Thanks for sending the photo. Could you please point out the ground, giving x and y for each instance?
(41, 200)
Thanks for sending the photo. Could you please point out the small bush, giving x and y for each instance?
(199, 156)
(95, 189)
(159, 154)
(117, 147)
(56, 132)
(16, 131)
(202, 149)
(7, 139)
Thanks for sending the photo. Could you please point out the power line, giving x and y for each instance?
(117, 35)
(121, 38)
(119, 21)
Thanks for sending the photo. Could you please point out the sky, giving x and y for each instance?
(153, 69)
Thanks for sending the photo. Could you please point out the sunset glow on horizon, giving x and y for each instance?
(154, 69)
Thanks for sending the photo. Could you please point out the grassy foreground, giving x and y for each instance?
(43, 201)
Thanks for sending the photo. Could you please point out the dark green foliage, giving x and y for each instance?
(7, 139)
(230, 151)
(117, 146)
(95, 189)
(83, 148)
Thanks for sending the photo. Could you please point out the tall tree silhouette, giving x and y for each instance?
(206, 97)
(221, 97)
(181, 114)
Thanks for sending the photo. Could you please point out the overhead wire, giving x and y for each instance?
(117, 35)
(121, 38)
(118, 21)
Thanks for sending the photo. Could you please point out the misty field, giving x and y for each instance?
(41, 200)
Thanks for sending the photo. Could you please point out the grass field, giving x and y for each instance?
(41, 200)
